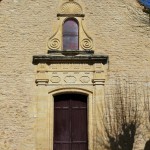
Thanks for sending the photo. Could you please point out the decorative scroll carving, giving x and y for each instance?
(67, 10)
(54, 43)
(70, 79)
(86, 40)
(87, 44)
(71, 8)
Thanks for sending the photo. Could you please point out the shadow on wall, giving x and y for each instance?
(147, 145)
(124, 140)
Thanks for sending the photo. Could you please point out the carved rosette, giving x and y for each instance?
(54, 43)
(87, 43)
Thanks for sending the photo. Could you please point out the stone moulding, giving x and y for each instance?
(88, 59)
(70, 71)
(65, 72)
(57, 61)
(84, 79)
(90, 114)
(41, 81)
(67, 10)
(71, 52)
(55, 79)
(70, 79)
(70, 15)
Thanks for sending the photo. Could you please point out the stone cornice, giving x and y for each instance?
(90, 59)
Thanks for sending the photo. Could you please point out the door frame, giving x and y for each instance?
(60, 91)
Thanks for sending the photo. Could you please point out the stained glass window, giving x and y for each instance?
(70, 35)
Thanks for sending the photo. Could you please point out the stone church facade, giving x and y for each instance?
(47, 79)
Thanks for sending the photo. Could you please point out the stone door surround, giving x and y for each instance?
(60, 72)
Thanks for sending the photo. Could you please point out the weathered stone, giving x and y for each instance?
(118, 28)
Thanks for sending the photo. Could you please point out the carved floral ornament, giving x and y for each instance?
(67, 10)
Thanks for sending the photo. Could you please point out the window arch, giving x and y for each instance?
(71, 34)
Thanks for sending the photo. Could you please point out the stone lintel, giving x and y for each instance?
(90, 59)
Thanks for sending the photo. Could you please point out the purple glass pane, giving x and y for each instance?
(70, 35)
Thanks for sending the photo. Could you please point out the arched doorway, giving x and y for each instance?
(70, 122)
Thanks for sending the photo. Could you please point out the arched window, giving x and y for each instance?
(70, 34)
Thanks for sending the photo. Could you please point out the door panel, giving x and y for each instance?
(70, 122)
(79, 146)
(79, 125)
(61, 146)
(62, 124)
(78, 100)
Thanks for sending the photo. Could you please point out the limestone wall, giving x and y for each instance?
(119, 28)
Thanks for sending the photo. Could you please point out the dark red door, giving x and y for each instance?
(70, 122)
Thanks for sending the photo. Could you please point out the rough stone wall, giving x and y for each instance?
(121, 31)
(119, 28)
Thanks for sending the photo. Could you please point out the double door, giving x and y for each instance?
(70, 122)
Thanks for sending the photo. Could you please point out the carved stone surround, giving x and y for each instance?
(56, 69)
(67, 10)
(72, 71)
(59, 73)
(69, 74)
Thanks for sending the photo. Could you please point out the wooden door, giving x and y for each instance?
(70, 122)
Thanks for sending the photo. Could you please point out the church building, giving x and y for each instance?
(58, 59)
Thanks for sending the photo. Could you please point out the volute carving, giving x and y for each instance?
(54, 43)
(87, 44)
(70, 9)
